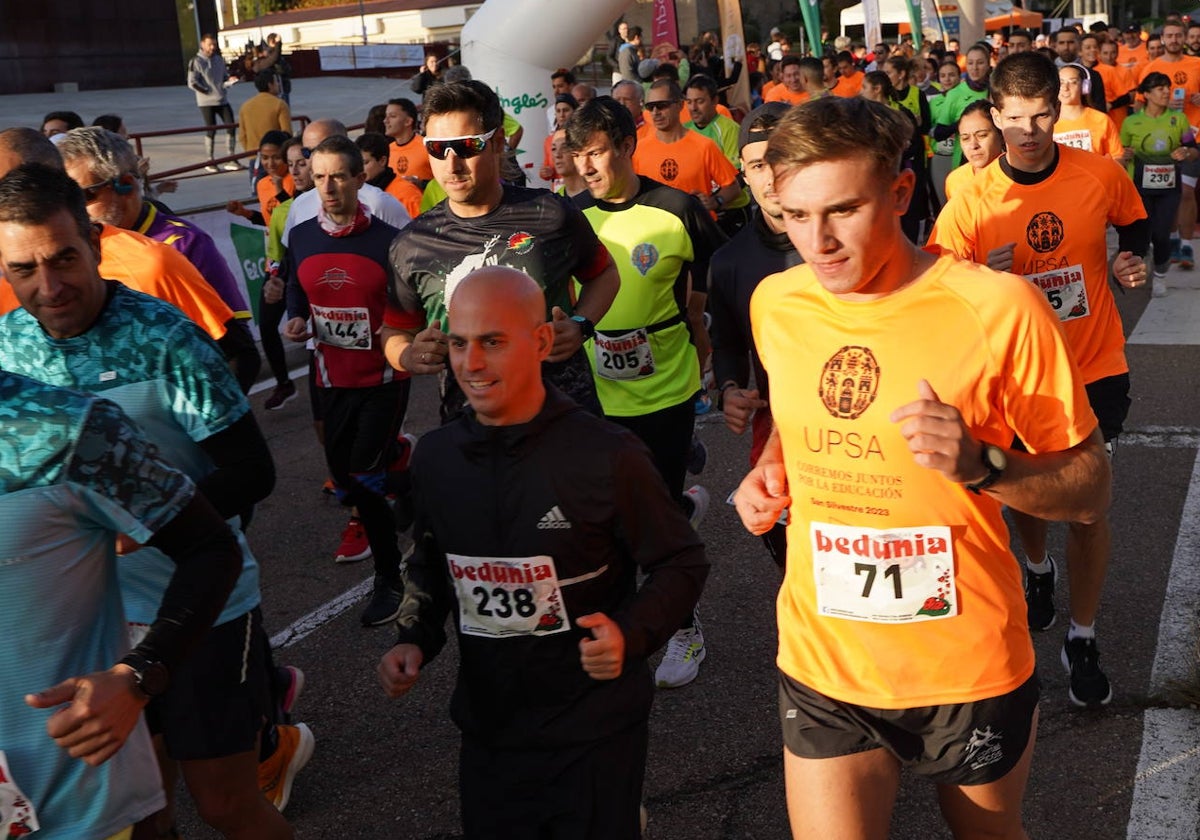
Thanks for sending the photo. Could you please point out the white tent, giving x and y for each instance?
(890, 11)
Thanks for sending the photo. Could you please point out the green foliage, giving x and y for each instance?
(248, 9)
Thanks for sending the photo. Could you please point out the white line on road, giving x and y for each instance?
(1162, 437)
(323, 614)
(1167, 785)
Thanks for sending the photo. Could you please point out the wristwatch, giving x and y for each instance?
(586, 327)
(996, 461)
(150, 677)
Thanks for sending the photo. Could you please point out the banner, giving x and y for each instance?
(872, 30)
(737, 95)
(914, 17)
(811, 12)
(666, 28)
(244, 248)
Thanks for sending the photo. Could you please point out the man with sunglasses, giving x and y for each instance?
(484, 222)
(379, 204)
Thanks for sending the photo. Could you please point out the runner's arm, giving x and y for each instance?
(244, 472)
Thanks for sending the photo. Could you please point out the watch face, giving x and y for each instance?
(153, 679)
(995, 458)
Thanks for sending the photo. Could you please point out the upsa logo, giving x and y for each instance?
(401, 165)
(849, 382)
(1180, 77)
(1044, 233)
(669, 169)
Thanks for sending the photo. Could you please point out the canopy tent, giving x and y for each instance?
(1000, 14)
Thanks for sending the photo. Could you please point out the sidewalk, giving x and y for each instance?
(156, 108)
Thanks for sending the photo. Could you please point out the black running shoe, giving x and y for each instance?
(384, 605)
(1039, 596)
(1089, 686)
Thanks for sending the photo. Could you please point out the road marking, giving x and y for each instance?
(1167, 784)
(322, 615)
(1162, 437)
(268, 384)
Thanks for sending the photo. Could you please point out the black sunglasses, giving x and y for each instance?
(465, 147)
(91, 193)
(661, 104)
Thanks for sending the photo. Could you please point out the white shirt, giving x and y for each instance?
(381, 204)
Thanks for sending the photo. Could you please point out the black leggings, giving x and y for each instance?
(269, 316)
(211, 113)
(1161, 207)
(667, 433)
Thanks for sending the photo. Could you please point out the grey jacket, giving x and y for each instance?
(206, 77)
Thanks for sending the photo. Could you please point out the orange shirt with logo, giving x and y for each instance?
(1132, 59)
(693, 164)
(1185, 83)
(901, 590)
(410, 159)
(1058, 226)
(1093, 132)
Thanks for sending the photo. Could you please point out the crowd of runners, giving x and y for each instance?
(894, 271)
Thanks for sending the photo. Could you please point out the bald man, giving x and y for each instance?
(307, 206)
(553, 692)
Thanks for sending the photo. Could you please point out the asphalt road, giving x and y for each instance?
(386, 769)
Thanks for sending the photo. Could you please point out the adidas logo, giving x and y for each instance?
(553, 519)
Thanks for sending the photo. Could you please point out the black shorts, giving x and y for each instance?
(957, 744)
(220, 696)
(1110, 401)
(588, 792)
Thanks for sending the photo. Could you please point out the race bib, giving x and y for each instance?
(17, 817)
(508, 596)
(1158, 176)
(1079, 138)
(1065, 290)
(348, 327)
(896, 576)
(624, 357)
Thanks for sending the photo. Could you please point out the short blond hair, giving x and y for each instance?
(836, 128)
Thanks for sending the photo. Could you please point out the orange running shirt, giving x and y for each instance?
(693, 164)
(1132, 59)
(1118, 81)
(407, 193)
(410, 159)
(1093, 132)
(848, 86)
(900, 589)
(781, 94)
(1185, 83)
(268, 196)
(149, 266)
(958, 179)
(1058, 226)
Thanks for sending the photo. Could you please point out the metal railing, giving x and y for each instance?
(190, 171)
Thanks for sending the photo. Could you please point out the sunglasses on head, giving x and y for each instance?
(467, 146)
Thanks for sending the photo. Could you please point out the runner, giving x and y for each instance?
(407, 156)
(1156, 142)
(374, 148)
(553, 693)
(1041, 211)
(76, 330)
(897, 465)
(981, 143)
(643, 354)
(484, 222)
(337, 274)
(701, 100)
(1184, 72)
(83, 475)
(946, 110)
(760, 249)
(1079, 125)
(791, 88)
(143, 264)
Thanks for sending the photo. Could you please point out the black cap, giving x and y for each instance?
(746, 136)
(1133, 27)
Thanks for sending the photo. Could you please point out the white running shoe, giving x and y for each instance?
(700, 499)
(681, 663)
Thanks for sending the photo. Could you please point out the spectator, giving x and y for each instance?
(60, 122)
(263, 112)
(209, 78)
